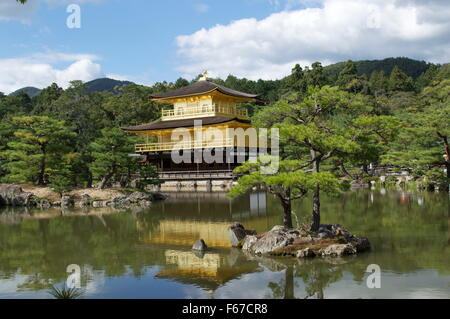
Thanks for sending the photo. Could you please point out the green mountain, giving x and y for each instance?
(105, 85)
(412, 68)
(29, 90)
(98, 85)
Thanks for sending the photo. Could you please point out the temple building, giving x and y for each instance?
(197, 108)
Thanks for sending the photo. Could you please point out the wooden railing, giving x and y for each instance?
(169, 146)
(203, 111)
(196, 175)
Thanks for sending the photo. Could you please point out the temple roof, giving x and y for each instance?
(183, 123)
(202, 87)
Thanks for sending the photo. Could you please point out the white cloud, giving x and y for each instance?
(42, 69)
(336, 31)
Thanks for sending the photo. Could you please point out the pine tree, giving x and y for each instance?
(110, 154)
(348, 74)
(38, 146)
(399, 81)
(379, 83)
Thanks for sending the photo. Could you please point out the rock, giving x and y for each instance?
(67, 201)
(23, 200)
(237, 234)
(55, 204)
(303, 240)
(13, 195)
(325, 235)
(145, 203)
(44, 204)
(305, 253)
(361, 244)
(124, 201)
(199, 253)
(98, 204)
(330, 241)
(338, 250)
(200, 245)
(137, 197)
(85, 200)
(248, 242)
(340, 231)
(279, 237)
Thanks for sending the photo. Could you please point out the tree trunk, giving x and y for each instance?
(289, 283)
(41, 180)
(287, 216)
(89, 179)
(105, 180)
(315, 220)
(315, 224)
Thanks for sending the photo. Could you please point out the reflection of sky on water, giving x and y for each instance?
(420, 284)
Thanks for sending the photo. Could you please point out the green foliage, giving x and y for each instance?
(435, 177)
(399, 81)
(397, 117)
(413, 68)
(289, 183)
(348, 74)
(148, 176)
(66, 293)
(106, 85)
(289, 179)
(61, 181)
(38, 146)
(110, 154)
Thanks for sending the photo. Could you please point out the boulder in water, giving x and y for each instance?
(200, 245)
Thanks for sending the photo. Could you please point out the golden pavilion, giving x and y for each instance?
(205, 102)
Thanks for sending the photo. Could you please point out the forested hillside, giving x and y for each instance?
(412, 68)
(71, 138)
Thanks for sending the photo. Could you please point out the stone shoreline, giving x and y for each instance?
(15, 196)
(328, 241)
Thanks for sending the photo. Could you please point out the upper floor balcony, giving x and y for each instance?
(203, 111)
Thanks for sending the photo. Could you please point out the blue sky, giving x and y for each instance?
(150, 40)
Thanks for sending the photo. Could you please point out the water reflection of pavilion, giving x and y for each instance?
(208, 271)
(206, 216)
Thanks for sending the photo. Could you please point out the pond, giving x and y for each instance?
(146, 253)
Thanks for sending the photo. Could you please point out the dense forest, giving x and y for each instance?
(72, 138)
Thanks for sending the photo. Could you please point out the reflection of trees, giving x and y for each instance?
(41, 249)
(285, 288)
(317, 275)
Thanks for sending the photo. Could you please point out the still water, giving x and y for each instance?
(146, 253)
